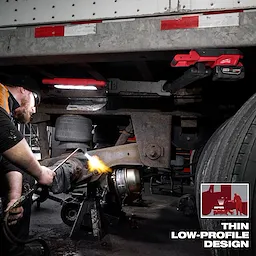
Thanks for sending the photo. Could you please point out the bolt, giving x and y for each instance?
(152, 153)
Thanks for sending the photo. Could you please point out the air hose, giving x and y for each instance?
(8, 233)
(14, 240)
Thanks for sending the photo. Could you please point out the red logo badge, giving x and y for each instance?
(226, 200)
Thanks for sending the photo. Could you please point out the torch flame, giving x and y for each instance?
(95, 164)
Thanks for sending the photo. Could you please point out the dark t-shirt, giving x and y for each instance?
(5, 167)
(9, 137)
(9, 134)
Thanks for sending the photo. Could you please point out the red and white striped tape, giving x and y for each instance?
(207, 20)
(65, 30)
(204, 20)
(80, 28)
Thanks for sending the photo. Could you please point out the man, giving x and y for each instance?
(239, 204)
(17, 102)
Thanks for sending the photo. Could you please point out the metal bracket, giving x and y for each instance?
(153, 136)
(91, 208)
(199, 71)
(135, 88)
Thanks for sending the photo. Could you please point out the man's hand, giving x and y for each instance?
(14, 179)
(15, 214)
(46, 176)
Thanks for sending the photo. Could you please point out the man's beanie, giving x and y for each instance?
(27, 83)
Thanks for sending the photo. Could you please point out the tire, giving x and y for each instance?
(194, 161)
(69, 212)
(230, 156)
(73, 128)
(204, 161)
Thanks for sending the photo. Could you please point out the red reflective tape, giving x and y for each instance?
(183, 22)
(49, 31)
(74, 81)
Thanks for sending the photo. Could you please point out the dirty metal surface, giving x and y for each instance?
(19, 46)
(153, 136)
(127, 154)
(118, 155)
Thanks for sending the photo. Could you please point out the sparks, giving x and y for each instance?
(95, 164)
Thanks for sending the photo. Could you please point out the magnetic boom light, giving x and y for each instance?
(75, 83)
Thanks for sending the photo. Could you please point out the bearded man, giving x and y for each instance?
(18, 166)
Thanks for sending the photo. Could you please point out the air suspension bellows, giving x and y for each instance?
(73, 131)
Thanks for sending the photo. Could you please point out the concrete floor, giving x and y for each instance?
(150, 238)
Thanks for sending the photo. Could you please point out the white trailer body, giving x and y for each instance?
(31, 12)
(67, 28)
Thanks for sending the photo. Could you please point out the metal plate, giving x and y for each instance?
(19, 46)
(193, 5)
(22, 12)
(153, 136)
(117, 86)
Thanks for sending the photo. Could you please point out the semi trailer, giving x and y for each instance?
(173, 73)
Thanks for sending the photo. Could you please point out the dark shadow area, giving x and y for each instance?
(144, 231)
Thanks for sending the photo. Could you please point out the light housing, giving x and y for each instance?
(75, 83)
(76, 87)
